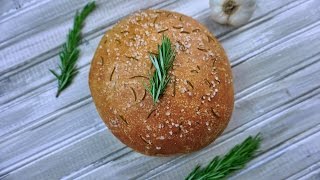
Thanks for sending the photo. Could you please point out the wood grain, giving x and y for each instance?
(310, 172)
(52, 84)
(276, 75)
(162, 164)
(6, 6)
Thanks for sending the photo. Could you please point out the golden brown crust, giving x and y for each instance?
(197, 103)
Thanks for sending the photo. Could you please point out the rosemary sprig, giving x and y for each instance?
(236, 159)
(162, 64)
(70, 52)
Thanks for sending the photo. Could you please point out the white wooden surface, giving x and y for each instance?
(276, 68)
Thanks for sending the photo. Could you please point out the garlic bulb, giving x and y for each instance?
(232, 12)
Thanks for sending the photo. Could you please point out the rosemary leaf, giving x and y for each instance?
(162, 64)
(70, 52)
(235, 159)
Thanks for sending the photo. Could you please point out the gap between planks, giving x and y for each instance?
(24, 93)
(305, 65)
(34, 52)
(288, 6)
(20, 7)
(304, 173)
(75, 103)
(257, 124)
(105, 162)
(251, 91)
(272, 154)
(217, 145)
(81, 67)
(33, 88)
(256, 121)
(314, 175)
(50, 56)
(259, 121)
(18, 100)
(318, 92)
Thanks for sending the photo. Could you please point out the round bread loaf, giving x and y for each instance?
(198, 101)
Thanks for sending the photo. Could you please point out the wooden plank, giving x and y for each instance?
(52, 12)
(10, 85)
(5, 7)
(92, 161)
(310, 172)
(44, 90)
(274, 130)
(272, 68)
(55, 170)
(271, 94)
(72, 125)
(284, 162)
(52, 135)
(314, 175)
(145, 163)
(283, 58)
(24, 79)
(32, 147)
(11, 7)
(36, 75)
(15, 56)
(277, 29)
(43, 99)
(48, 24)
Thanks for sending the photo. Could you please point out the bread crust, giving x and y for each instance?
(198, 102)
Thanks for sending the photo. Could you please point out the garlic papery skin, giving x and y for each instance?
(232, 12)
